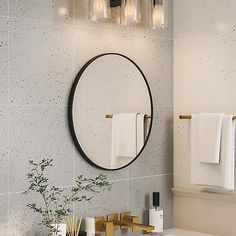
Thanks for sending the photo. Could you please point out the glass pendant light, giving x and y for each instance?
(130, 12)
(99, 10)
(156, 14)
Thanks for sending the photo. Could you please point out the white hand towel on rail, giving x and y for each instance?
(216, 175)
(206, 135)
(227, 158)
(124, 132)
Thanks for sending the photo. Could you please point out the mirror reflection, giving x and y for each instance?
(110, 111)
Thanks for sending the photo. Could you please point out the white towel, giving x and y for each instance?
(212, 175)
(206, 135)
(124, 132)
(128, 135)
(140, 131)
(227, 158)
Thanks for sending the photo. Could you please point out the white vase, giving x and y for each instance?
(61, 229)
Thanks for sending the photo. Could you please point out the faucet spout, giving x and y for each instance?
(134, 226)
(128, 221)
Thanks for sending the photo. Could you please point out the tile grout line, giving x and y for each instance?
(9, 105)
(112, 181)
(141, 177)
(44, 105)
(8, 121)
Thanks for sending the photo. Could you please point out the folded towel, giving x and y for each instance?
(206, 135)
(227, 158)
(128, 135)
(212, 175)
(124, 143)
(140, 131)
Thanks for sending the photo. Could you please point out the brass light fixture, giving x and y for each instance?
(130, 11)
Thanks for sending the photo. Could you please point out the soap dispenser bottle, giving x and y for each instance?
(156, 214)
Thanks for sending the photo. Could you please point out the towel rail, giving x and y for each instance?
(110, 116)
(189, 117)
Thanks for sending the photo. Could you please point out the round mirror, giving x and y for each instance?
(110, 111)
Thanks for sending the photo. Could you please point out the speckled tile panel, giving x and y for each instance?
(4, 214)
(4, 157)
(210, 18)
(4, 59)
(41, 63)
(37, 133)
(23, 221)
(55, 11)
(107, 202)
(4, 7)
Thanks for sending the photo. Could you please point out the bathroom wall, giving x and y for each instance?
(204, 81)
(43, 45)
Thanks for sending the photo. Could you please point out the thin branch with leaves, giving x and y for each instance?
(56, 203)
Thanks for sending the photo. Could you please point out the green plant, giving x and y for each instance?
(57, 201)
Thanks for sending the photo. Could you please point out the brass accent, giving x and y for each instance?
(133, 220)
(113, 217)
(185, 117)
(189, 117)
(104, 226)
(128, 221)
(124, 216)
(110, 116)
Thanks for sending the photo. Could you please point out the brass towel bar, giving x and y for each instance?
(189, 117)
(109, 116)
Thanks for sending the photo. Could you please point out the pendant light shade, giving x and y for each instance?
(130, 12)
(156, 14)
(99, 10)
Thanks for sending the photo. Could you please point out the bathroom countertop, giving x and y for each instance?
(181, 232)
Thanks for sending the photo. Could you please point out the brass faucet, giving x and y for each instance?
(101, 225)
(128, 221)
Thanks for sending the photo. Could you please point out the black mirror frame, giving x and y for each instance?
(70, 110)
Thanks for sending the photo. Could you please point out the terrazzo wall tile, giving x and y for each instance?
(4, 8)
(4, 214)
(46, 51)
(4, 32)
(4, 157)
(37, 133)
(55, 11)
(116, 199)
(41, 65)
(22, 220)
